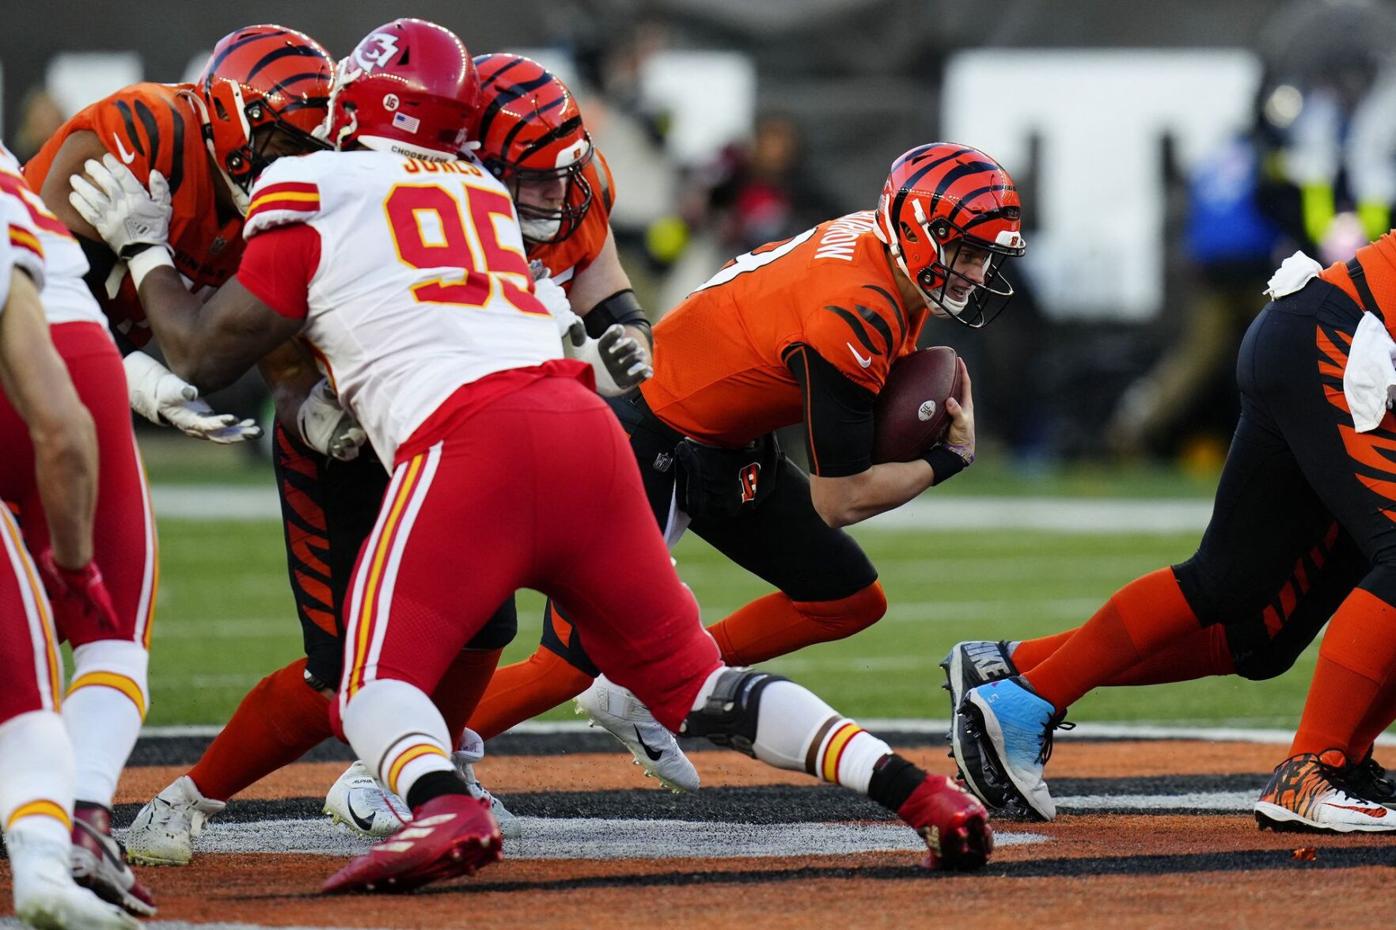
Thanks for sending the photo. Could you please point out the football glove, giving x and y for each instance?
(618, 360)
(79, 595)
(327, 427)
(134, 222)
(162, 397)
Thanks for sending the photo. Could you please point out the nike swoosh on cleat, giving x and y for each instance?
(1376, 813)
(654, 755)
(366, 825)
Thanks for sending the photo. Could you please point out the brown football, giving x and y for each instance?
(910, 414)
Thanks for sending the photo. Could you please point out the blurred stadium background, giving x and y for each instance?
(1170, 153)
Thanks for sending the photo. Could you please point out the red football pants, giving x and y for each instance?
(28, 646)
(123, 534)
(537, 489)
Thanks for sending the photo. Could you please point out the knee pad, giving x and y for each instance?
(848, 615)
(731, 712)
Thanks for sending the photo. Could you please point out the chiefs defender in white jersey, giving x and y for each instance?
(49, 470)
(404, 268)
(108, 695)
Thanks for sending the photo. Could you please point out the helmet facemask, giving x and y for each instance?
(547, 224)
(946, 283)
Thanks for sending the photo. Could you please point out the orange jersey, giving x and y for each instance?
(157, 126)
(570, 257)
(1378, 262)
(720, 372)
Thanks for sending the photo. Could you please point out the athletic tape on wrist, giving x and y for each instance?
(146, 261)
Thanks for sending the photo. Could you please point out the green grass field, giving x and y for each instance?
(225, 618)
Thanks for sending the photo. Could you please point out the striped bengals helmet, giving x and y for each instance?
(938, 199)
(262, 78)
(530, 132)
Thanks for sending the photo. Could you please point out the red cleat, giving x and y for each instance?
(448, 836)
(953, 823)
(99, 862)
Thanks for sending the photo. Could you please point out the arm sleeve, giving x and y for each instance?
(278, 265)
(838, 415)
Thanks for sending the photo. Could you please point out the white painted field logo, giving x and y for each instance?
(926, 411)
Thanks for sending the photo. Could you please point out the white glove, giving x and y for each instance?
(327, 427)
(127, 216)
(620, 362)
(569, 326)
(164, 398)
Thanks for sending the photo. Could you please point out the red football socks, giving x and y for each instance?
(280, 720)
(1355, 665)
(461, 687)
(524, 690)
(1198, 655)
(775, 625)
(1141, 619)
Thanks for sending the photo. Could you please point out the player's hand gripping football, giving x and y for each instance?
(959, 438)
(129, 218)
(327, 427)
(79, 595)
(163, 398)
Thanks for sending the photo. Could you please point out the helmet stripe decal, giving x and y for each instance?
(125, 109)
(896, 308)
(285, 51)
(548, 138)
(152, 131)
(284, 85)
(920, 173)
(216, 63)
(177, 162)
(855, 325)
(483, 59)
(958, 173)
(509, 96)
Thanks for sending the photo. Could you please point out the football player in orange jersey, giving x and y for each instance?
(1304, 526)
(800, 330)
(263, 91)
(261, 95)
(534, 140)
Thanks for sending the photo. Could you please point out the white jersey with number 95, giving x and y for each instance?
(422, 283)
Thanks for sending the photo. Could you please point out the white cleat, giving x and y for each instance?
(472, 750)
(164, 830)
(621, 714)
(47, 898)
(358, 801)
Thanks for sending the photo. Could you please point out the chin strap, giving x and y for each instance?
(240, 197)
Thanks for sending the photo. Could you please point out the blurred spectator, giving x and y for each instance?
(1316, 170)
(40, 116)
(760, 192)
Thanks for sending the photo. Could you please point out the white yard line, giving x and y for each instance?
(1238, 734)
(1062, 515)
(603, 838)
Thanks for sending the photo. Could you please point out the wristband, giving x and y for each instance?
(147, 260)
(948, 461)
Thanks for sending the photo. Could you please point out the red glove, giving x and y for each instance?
(78, 595)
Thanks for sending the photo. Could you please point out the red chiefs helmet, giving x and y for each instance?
(530, 132)
(938, 200)
(408, 87)
(263, 93)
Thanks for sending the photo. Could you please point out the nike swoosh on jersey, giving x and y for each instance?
(864, 361)
(126, 157)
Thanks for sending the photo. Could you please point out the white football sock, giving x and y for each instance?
(796, 730)
(36, 777)
(398, 733)
(103, 711)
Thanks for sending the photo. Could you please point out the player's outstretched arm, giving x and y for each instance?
(848, 499)
(65, 442)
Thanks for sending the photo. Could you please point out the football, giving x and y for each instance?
(910, 414)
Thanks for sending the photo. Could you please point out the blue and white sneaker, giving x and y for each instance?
(975, 662)
(1002, 739)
